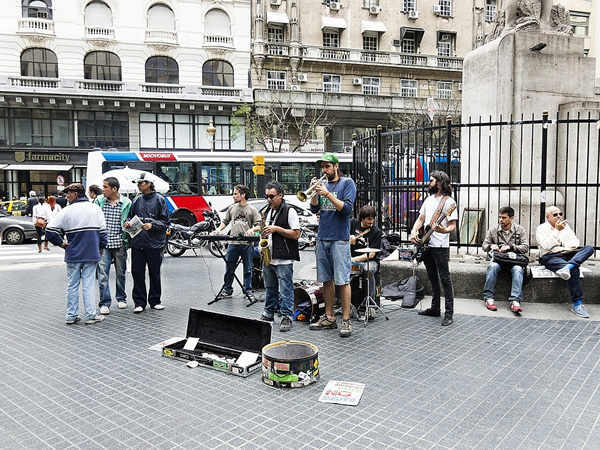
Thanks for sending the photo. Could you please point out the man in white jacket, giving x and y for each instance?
(560, 252)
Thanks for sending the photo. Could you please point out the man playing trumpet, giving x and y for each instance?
(334, 200)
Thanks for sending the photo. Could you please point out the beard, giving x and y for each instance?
(433, 190)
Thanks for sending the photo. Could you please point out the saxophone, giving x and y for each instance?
(264, 244)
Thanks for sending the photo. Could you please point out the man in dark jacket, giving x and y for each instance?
(84, 229)
(148, 243)
(282, 229)
(31, 202)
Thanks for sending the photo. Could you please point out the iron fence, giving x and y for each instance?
(528, 164)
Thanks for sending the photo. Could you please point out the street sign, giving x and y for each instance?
(259, 160)
(258, 170)
(60, 180)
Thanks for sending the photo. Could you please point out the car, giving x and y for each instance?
(16, 229)
(14, 207)
(307, 218)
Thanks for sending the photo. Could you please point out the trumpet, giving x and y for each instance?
(310, 192)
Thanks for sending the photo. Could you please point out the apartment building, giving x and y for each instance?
(368, 62)
(136, 75)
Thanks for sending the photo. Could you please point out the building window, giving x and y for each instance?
(276, 79)
(370, 42)
(490, 10)
(162, 69)
(408, 88)
(332, 83)
(370, 85)
(275, 35)
(408, 45)
(444, 44)
(39, 62)
(217, 22)
(331, 38)
(37, 9)
(104, 66)
(580, 22)
(98, 14)
(444, 89)
(161, 17)
(217, 73)
(369, 3)
(409, 5)
(102, 129)
(42, 127)
(444, 8)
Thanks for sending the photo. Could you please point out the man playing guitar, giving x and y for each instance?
(436, 257)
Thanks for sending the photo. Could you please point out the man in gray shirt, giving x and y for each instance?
(245, 220)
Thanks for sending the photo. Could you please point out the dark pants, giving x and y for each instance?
(152, 258)
(436, 261)
(556, 261)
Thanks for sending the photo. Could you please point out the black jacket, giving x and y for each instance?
(284, 248)
(151, 208)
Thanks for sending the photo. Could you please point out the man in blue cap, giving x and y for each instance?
(334, 201)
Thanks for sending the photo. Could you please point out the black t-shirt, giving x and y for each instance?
(372, 238)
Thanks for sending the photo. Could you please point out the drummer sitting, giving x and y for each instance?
(364, 233)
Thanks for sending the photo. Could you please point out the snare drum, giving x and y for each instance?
(357, 269)
(312, 293)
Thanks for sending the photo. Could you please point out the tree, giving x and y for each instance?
(282, 119)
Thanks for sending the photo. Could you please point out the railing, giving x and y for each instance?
(528, 164)
(161, 36)
(219, 40)
(35, 82)
(100, 85)
(277, 50)
(337, 55)
(450, 63)
(155, 88)
(37, 26)
(220, 92)
(375, 57)
(99, 33)
(413, 60)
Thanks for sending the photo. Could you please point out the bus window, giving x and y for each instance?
(181, 176)
(296, 176)
(220, 178)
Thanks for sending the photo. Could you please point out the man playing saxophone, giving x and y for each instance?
(281, 228)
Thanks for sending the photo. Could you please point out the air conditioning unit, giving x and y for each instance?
(444, 38)
(437, 9)
(276, 2)
(460, 86)
(356, 80)
(295, 87)
(374, 10)
(302, 77)
(396, 43)
(335, 6)
(413, 14)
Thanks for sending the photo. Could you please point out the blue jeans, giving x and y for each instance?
(556, 261)
(491, 277)
(84, 274)
(118, 256)
(234, 252)
(279, 280)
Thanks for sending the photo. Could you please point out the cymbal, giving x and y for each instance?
(368, 250)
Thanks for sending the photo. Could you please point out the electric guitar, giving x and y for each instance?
(422, 246)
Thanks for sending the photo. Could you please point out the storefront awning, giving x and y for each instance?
(333, 22)
(48, 167)
(377, 27)
(417, 32)
(277, 17)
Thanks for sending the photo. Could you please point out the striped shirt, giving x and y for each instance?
(112, 215)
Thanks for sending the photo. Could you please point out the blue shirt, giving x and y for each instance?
(334, 225)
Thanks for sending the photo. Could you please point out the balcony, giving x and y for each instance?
(156, 88)
(100, 85)
(381, 58)
(218, 40)
(36, 27)
(35, 82)
(277, 50)
(161, 38)
(100, 33)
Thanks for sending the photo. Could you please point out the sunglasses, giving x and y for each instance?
(271, 196)
(557, 214)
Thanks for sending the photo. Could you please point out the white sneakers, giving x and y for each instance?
(138, 309)
(96, 319)
(122, 305)
(104, 310)
(158, 307)
(564, 273)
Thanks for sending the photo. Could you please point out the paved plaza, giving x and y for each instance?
(484, 382)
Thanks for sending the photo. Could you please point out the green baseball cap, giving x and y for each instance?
(329, 157)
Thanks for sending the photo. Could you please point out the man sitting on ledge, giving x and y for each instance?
(560, 252)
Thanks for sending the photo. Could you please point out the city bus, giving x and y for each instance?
(199, 178)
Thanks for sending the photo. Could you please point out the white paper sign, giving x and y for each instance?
(342, 392)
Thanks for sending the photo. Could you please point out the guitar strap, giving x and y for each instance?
(438, 211)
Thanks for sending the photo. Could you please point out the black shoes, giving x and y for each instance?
(430, 312)
(265, 318)
(447, 320)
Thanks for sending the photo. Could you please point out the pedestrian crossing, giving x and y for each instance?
(28, 253)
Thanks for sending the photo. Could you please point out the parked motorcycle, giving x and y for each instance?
(182, 238)
(308, 238)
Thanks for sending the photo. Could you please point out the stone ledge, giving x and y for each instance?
(469, 278)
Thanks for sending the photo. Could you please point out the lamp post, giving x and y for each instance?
(210, 131)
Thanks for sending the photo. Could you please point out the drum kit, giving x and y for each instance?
(369, 301)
